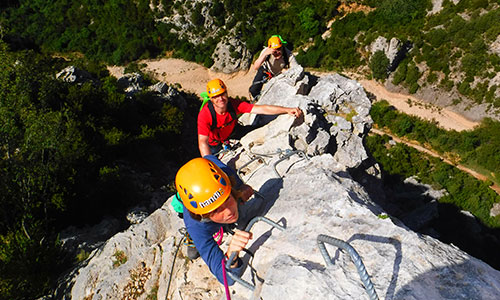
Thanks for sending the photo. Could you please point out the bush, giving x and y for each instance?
(412, 74)
(400, 74)
(379, 64)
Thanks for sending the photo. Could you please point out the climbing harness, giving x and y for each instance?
(356, 259)
(233, 255)
(223, 152)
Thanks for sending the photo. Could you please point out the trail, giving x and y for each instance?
(193, 77)
(475, 174)
(412, 106)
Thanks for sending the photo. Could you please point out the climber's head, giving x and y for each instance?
(217, 91)
(205, 190)
(275, 44)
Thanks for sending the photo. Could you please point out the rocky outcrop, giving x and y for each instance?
(389, 48)
(395, 50)
(231, 55)
(193, 21)
(73, 74)
(299, 167)
(189, 20)
(495, 46)
(131, 83)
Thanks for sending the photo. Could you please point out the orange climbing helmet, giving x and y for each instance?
(202, 185)
(274, 42)
(215, 87)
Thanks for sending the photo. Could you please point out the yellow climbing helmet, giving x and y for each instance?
(215, 87)
(274, 42)
(202, 185)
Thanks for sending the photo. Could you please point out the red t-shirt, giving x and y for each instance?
(225, 123)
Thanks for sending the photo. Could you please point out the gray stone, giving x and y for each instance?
(495, 46)
(136, 216)
(73, 74)
(310, 195)
(131, 83)
(392, 49)
(159, 87)
(495, 210)
(320, 143)
(231, 55)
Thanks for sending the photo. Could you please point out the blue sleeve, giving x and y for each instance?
(229, 172)
(202, 236)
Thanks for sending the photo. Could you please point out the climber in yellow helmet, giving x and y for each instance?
(217, 120)
(271, 62)
(210, 193)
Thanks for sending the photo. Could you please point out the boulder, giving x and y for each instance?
(73, 74)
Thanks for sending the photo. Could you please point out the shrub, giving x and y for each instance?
(379, 64)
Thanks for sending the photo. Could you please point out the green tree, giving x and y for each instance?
(379, 64)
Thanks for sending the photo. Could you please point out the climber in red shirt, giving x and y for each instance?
(223, 110)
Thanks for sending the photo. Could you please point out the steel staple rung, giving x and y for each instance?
(287, 154)
(233, 255)
(356, 259)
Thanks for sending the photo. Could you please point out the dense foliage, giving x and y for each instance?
(452, 45)
(121, 31)
(477, 148)
(464, 191)
(66, 150)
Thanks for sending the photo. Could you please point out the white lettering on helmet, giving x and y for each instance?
(212, 199)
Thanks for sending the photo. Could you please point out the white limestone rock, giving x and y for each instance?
(231, 55)
(310, 195)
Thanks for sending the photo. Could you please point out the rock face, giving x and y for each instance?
(300, 168)
(395, 50)
(190, 20)
(231, 55)
(193, 21)
(72, 74)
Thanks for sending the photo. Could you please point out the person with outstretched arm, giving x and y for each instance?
(217, 120)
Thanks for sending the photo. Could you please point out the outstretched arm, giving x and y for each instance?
(203, 145)
(276, 110)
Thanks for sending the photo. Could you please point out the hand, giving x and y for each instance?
(268, 51)
(295, 111)
(238, 242)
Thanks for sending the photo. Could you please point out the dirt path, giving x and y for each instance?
(475, 174)
(193, 78)
(413, 106)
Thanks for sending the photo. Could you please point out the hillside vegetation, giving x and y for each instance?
(69, 156)
(451, 49)
(69, 152)
(478, 148)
